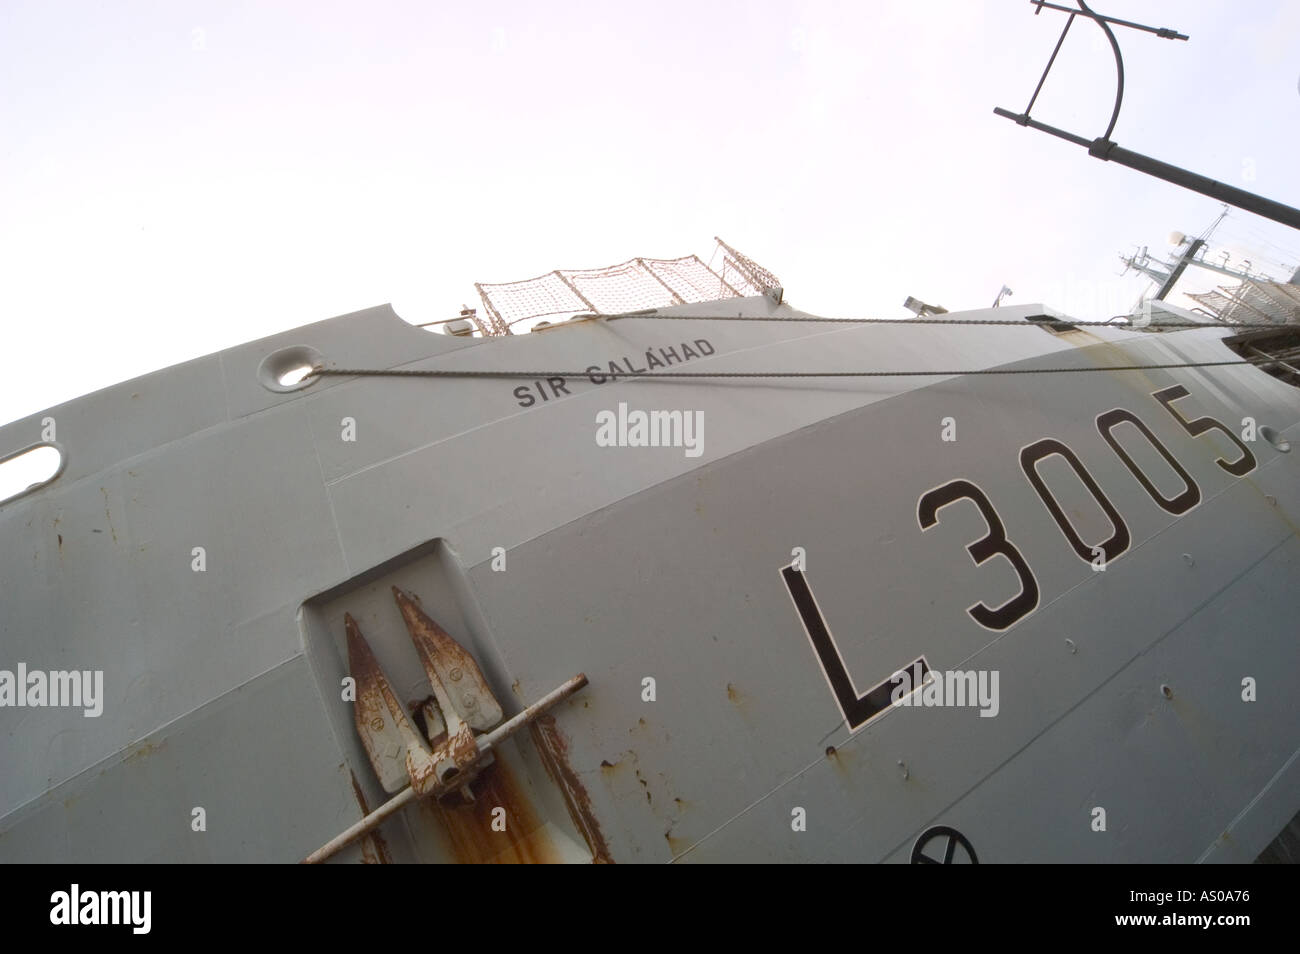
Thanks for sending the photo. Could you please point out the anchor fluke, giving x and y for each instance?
(450, 668)
(382, 726)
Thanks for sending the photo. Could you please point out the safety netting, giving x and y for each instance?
(634, 285)
(1253, 301)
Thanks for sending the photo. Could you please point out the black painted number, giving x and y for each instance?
(994, 543)
(1240, 467)
(1191, 494)
(1119, 538)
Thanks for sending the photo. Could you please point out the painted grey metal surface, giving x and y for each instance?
(222, 687)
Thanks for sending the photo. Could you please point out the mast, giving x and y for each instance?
(1104, 148)
(1166, 274)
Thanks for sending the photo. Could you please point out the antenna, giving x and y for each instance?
(1189, 251)
(1215, 224)
(1105, 149)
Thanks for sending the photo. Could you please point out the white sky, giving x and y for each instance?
(176, 178)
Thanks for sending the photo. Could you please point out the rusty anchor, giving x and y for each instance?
(461, 698)
(452, 755)
(381, 722)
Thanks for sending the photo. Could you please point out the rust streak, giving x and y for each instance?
(554, 751)
(108, 515)
(676, 846)
(469, 826)
(374, 850)
(143, 750)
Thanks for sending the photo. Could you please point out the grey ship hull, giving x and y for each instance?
(1122, 689)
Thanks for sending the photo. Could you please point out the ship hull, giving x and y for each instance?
(1121, 623)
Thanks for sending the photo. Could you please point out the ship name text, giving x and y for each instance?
(543, 390)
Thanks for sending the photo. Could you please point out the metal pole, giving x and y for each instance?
(1109, 151)
(1181, 267)
(569, 285)
(1163, 32)
(1292, 368)
(1043, 79)
(677, 299)
(1242, 199)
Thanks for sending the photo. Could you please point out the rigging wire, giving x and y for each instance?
(1258, 248)
(642, 375)
(1065, 323)
(1048, 323)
